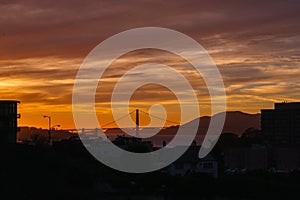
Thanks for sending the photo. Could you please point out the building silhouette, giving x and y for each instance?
(281, 126)
(8, 121)
(190, 163)
(281, 129)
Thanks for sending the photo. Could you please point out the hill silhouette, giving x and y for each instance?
(236, 122)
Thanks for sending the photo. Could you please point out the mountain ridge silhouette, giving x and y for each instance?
(236, 122)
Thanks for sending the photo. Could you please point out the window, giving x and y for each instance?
(208, 165)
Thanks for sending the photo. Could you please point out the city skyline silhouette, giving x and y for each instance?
(151, 100)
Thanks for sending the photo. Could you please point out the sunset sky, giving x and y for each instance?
(255, 44)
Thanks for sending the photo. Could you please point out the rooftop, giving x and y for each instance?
(9, 101)
(287, 105)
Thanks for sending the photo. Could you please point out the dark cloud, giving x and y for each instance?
(67, 28)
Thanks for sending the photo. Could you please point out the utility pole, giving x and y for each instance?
(49, 130)
(137, 122)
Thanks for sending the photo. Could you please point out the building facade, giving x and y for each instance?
(281, 129)
(281, 126)
(249, 158)
(189, 163)
(8, 121)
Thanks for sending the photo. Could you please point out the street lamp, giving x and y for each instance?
(49, 129)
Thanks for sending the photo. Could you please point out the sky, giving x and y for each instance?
(255, 44)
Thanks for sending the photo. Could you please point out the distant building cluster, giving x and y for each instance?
(275, 147)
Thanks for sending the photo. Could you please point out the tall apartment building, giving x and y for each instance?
(8, 121)
(281, 126)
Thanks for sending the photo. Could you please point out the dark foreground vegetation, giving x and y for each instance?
(32, 172)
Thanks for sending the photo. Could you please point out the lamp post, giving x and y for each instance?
(49, 129)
